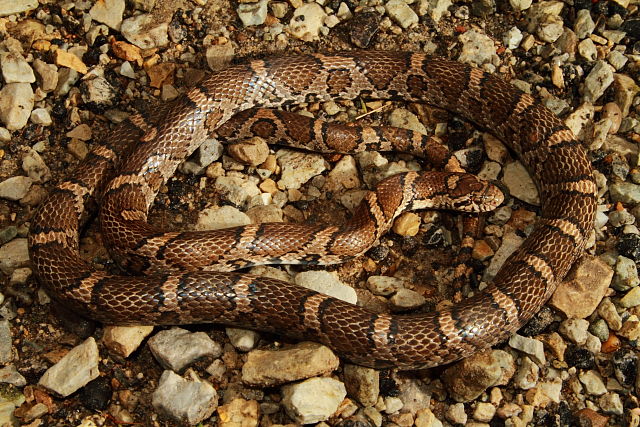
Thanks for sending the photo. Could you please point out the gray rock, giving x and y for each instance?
(11, 7)
(406, 299)
(469, 378)
(550, 28)
(598, 80)
(219, 56)
(362, 383)
(185, 401)
(617, 59)
(35, 167)
(15, 188)
(6, 352)
(75, 370)
(583, 25)
(14, 254)
(307, 21)
(520, 184)
(108, 12)
(326, 283)
(208, 152)
(529, 346)
(607, 310)
(510, 242)
(625, 192)
(298, 167)
(575, 330)
(520, 5)
(98, 90)
(236, 190)
(300, 361)
(592, 382)
(587, 49)
(527, 375)
(124, 340)
(626, 274)
(10, 375)
(15, 69)
(16, 103)
(401, 13)
(477, 48)
(512, 38)
(631, 298)
(252, 14)
(611, 403)
(178, 348)
(144, 32)
(40, 116)
(221, 217)
(242, 339)
(313, 400)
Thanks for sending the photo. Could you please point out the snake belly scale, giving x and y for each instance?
(555, 159)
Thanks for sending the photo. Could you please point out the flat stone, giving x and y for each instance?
(221, 217)
(69, 60)
(469, 378)
(520, 184)
(313, 400)
(300, 361)
(178, 348)
(12, 7)
(239, 413)
(401, 13)
(185, 401)
(14, 254)
(16, 103)
(242, 339)
(75, 370)
(477, 48)
(143, 31)
(298, 167)
(362, 383)
(10, 375)
(326, 283)
(124, 340)
(597, 81)
(108, 12)
(592, 382)
(306, 22)
(582, 290)
(530, 346)
(6, 347)
(15, 188)
(16, 69)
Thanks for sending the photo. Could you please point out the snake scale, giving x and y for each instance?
(555, 159)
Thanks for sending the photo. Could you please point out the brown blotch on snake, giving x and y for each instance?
(557, 163)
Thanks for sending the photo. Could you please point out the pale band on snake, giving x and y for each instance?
(555, 159)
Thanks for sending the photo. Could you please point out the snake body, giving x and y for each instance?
(555, 159)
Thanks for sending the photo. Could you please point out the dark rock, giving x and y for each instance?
(632, 27)
(97, 394)
(629, 246)
(625, 366)
(538, 323)
(362, 28)
(579, 357)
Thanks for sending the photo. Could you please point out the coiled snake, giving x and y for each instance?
(553, 156)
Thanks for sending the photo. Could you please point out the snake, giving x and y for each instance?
(142, 154)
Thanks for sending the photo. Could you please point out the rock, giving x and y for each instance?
(300, 361)
(545, 393)
(178, 348)
(10, 375)
(252, 14)
(407, 224)
(510, 242)
(583, 25)
(67, 59)
(97, 394)
(611, 403)
(520, 184)
(124, 340)
(589, 417)
(16, 103)
(617, 59)
(14, 254)
(298, 167)
(484, 412)
(406, 299)
(221, 217)
(625, 89)
(626, 274)
(144, 32)
(326, 283)
(239, 413)
(98, 91)
(362, 383)
(520, 5)
(12, 7)
(74, 370)
(550, 28)
(530, 346)
(185, 401)
(243, 339)
(313, 400)
(236, 190)
(583, 289)
(436, 9)
(253, 151)
(35, 167)
(306, 22)
(608, 312)
(631, 298)
(392, 405)
(208, 152)
(401, 13)
(575, 330)
(40, 116)
(592, 382)
(467, 379)
(526, 376)
(384, 285)
(512, 38)
(597, 81)
(477, 48)
(344, 175)
(456, 414)
(108, 12)
(426, 418)
(15, 188)
(15, 69)
(587, 49)
(625, 366)
(219, 56)
(6, 352)
(625, 192)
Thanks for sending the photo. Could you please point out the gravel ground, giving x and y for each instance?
(70, 70)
